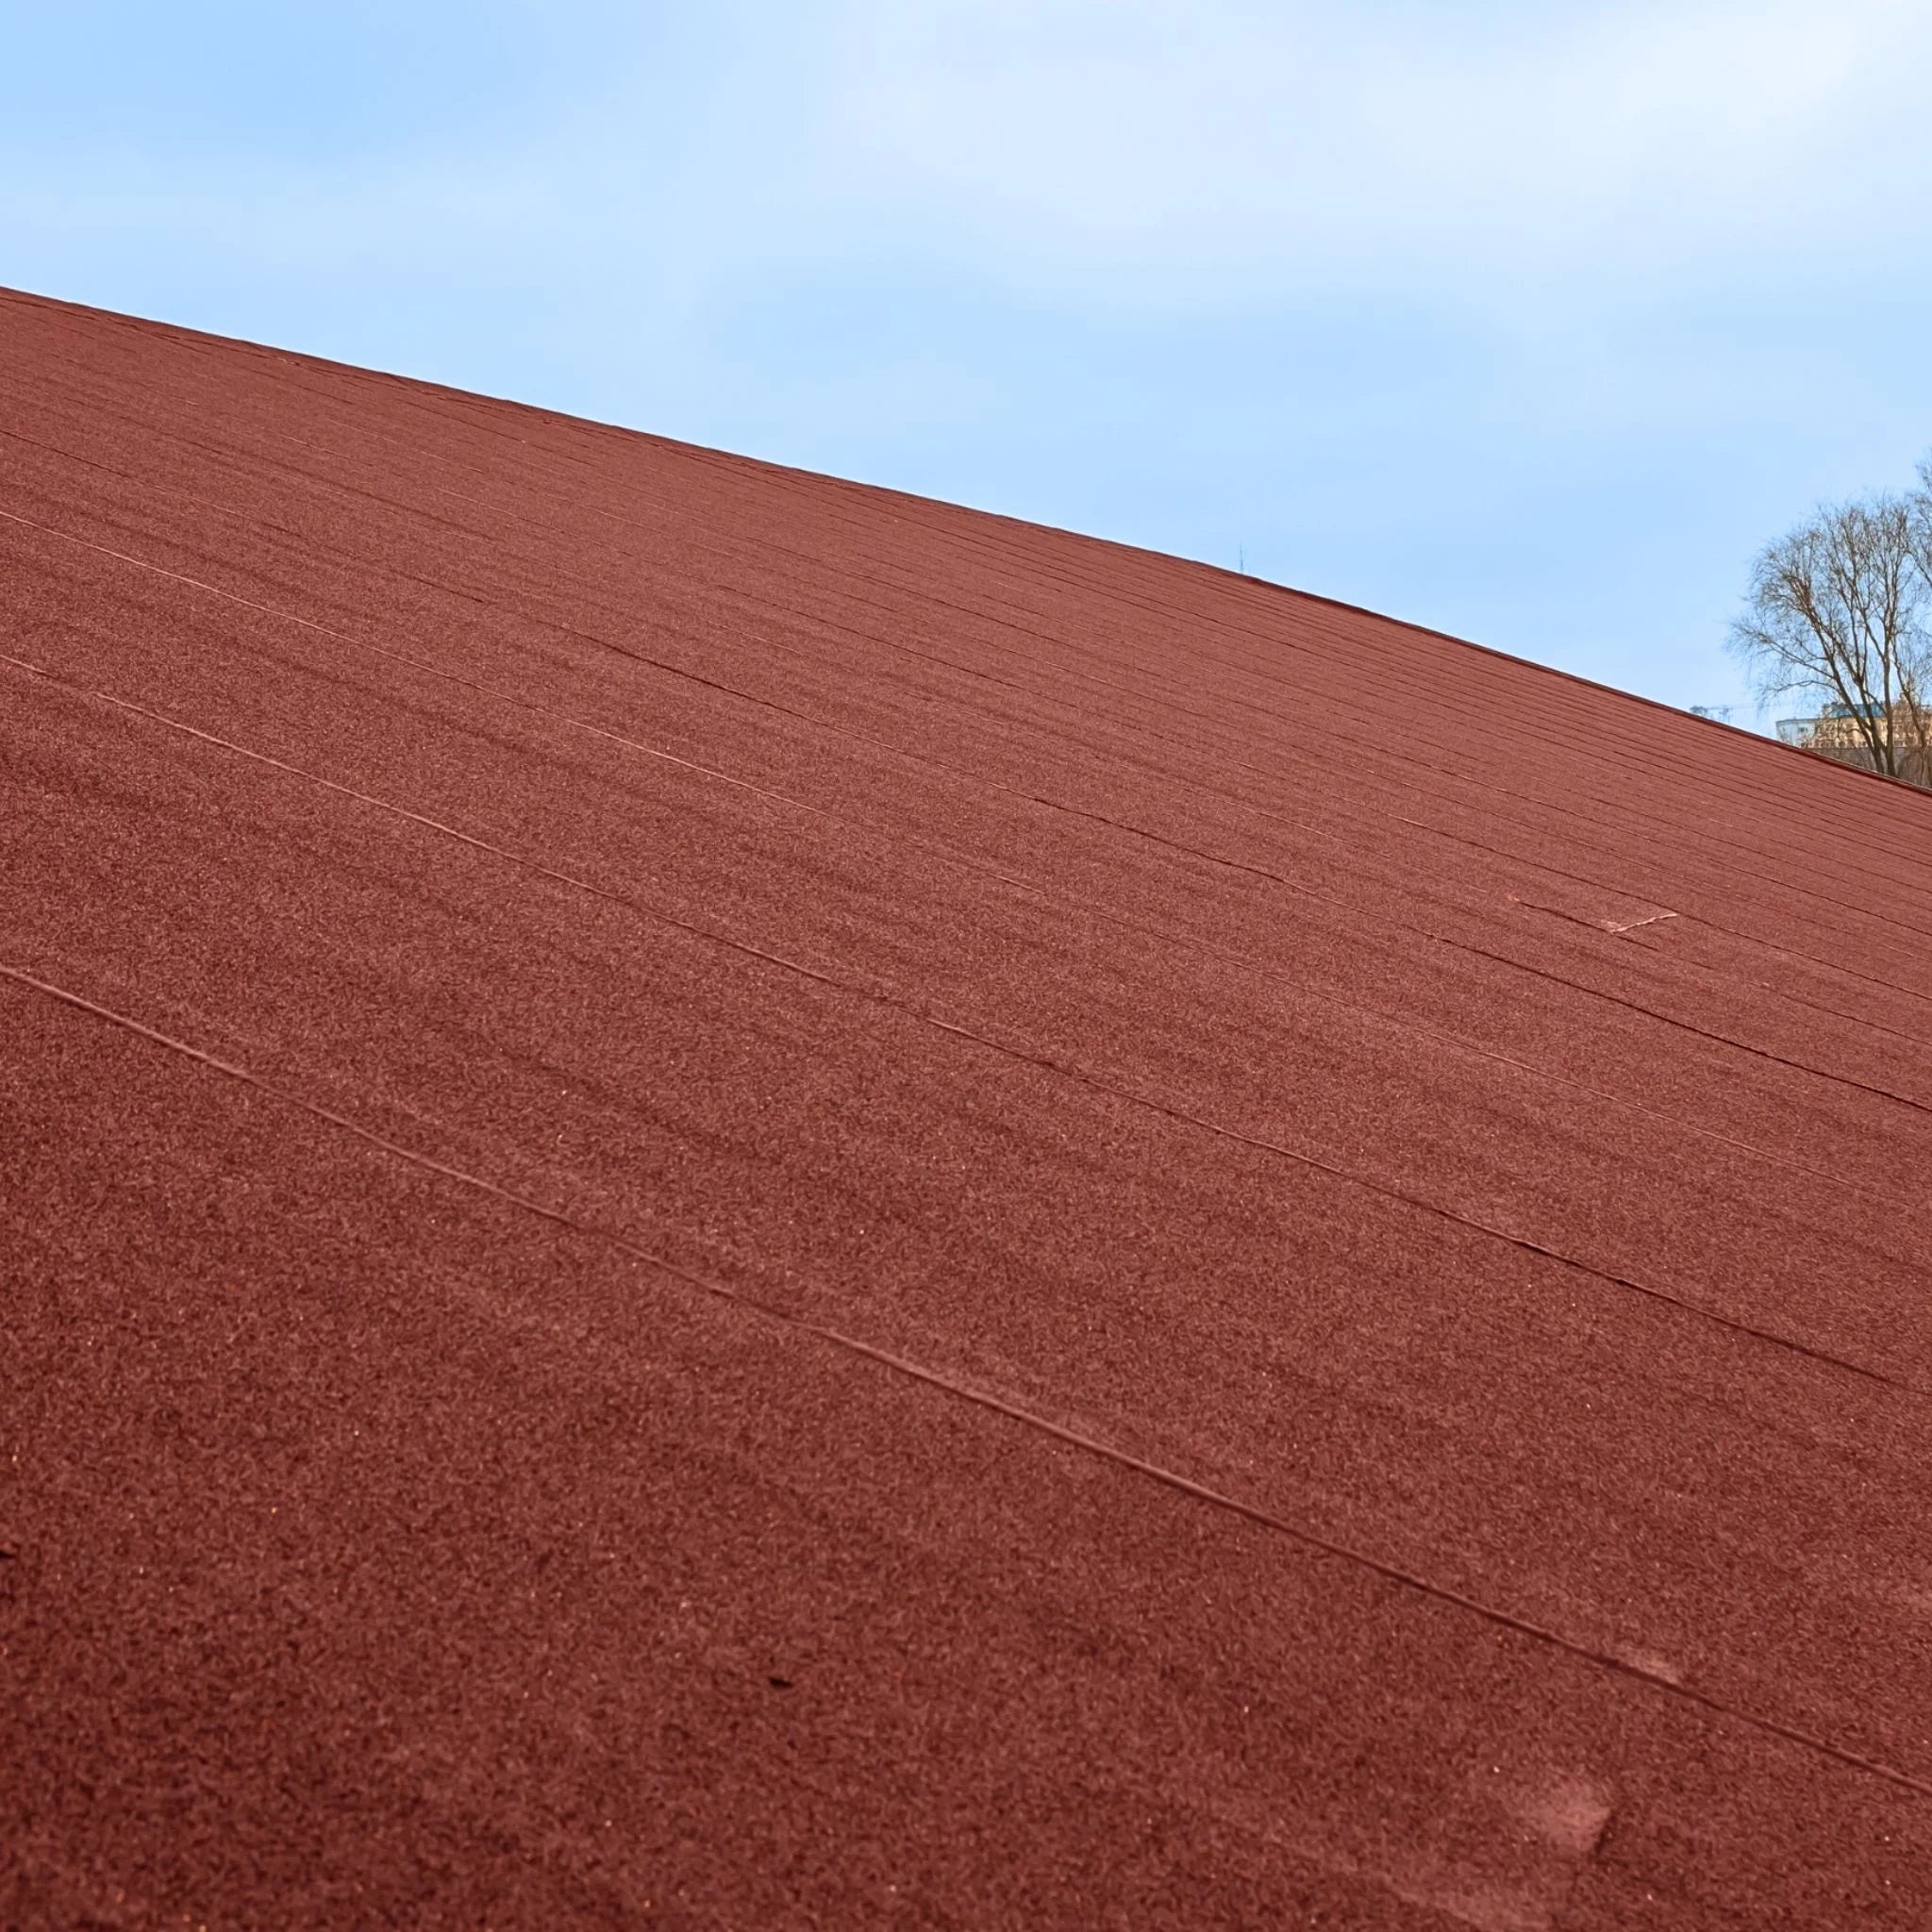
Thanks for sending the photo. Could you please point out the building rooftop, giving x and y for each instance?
(730, 1200)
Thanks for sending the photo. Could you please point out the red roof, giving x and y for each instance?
(732, 1200)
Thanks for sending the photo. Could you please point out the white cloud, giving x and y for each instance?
(1255, 145)
(1151, 153)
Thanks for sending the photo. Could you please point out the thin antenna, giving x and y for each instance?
(1240, 559)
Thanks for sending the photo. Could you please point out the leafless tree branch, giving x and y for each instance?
(1839, 610)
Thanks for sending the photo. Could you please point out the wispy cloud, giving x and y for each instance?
(1160, 154)
(1254, 147)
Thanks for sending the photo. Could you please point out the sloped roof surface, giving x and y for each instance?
(728, 1200)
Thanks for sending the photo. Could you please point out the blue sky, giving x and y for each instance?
(1528, 322)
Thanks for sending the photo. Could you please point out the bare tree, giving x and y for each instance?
(1839, 612)
(1918, 506)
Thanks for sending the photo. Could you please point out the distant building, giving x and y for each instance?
(1839, 732)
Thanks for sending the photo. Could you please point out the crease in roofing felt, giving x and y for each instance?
(1623, 1663)
(1595, 924)
(1704, 917)
(1033, 1057)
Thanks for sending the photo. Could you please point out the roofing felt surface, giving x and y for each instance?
(727, 1200)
